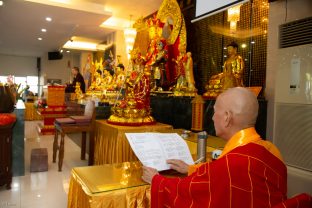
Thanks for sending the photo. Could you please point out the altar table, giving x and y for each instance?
(111, 144)
(31, 112)
(110, 185)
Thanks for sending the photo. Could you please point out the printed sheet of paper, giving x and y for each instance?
(153, 149)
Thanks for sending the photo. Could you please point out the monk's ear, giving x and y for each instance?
(228, 118)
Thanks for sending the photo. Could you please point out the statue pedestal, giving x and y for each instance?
(130, 117)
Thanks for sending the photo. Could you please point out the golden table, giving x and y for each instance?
(110, 185)
(111, 145)
(31, 112)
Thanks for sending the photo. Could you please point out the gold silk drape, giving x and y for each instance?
(31, 112)
(106, 186)
(111, 144)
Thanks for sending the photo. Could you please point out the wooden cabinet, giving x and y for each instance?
(6, 155)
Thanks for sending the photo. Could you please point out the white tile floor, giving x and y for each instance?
(42, 189)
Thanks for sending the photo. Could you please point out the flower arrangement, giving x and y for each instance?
(41, 103)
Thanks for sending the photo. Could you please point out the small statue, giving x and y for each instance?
(185, 78)
(95, 85)
(78, 91)
(188, 67)
(181, 85)
(107, 80)
(157, 62)
(119, 78)
(232, 75)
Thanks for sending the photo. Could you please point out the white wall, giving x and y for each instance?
(18, 65)
(58, 69)
(118, 39)
(121, 47)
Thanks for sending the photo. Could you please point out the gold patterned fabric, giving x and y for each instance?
(31, 112)
(106, 186)
(111, 144)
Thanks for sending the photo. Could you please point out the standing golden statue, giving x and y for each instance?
(185, 78)
(189, 75)
(232, 75)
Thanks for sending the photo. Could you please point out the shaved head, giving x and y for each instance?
(236, 109)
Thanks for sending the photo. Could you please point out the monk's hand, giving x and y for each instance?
(148, 174)
(178, 165)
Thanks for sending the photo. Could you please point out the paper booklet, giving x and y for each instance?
(153, 149)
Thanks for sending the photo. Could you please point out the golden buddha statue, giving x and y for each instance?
(107, 80)
(119, 78)
(78, 91)
(95, 85)
(232, 75)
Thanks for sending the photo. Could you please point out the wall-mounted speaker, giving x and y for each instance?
(55, 55)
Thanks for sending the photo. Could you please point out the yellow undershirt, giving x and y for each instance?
(242, 138)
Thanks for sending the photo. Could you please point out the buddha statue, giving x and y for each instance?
(95, 85)
(232, 75)
(119, 78)
(78, 91)
(107, 80)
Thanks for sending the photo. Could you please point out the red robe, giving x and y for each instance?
(247, 176)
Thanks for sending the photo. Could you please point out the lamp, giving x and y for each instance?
(130, 34)
(233, 16)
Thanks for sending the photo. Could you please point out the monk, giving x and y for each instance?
(250, 172)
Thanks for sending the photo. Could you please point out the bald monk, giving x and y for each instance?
(250, 172)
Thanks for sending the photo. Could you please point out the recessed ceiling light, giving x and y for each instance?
(43, 30)
(67, 51)
(39, 38)
(1, 3)
(49, 19)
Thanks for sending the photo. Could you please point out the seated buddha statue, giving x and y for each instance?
(78, 91)
(95, 85)
(232, 75)
(119, 78)
(107, 80)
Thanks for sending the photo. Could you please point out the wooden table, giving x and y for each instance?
(111, 144)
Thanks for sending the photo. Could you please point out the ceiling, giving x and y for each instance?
(21, 22)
